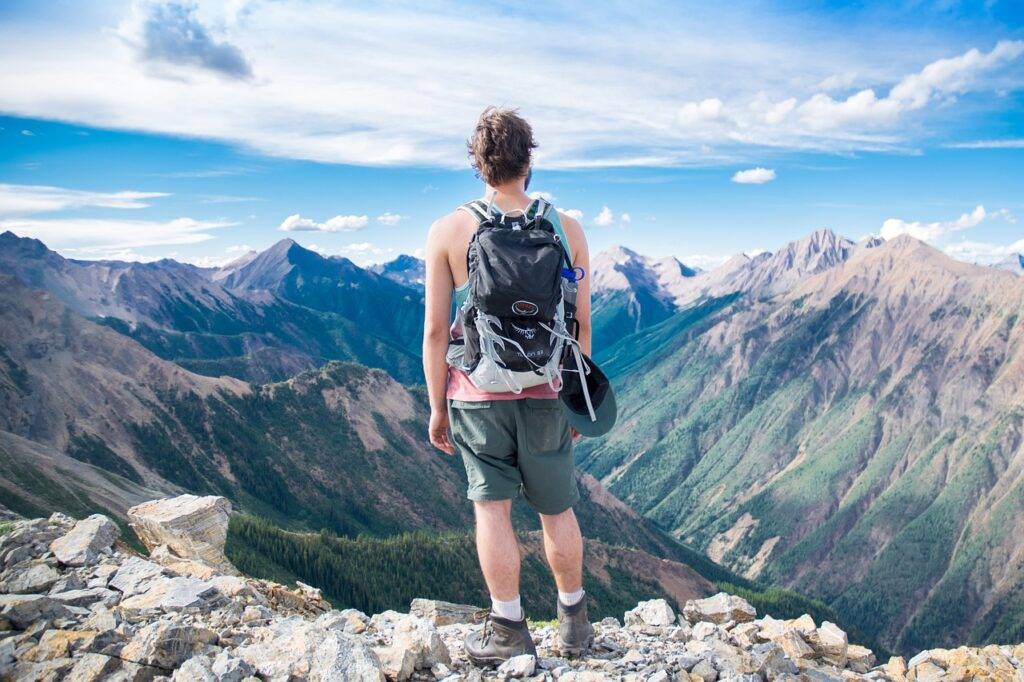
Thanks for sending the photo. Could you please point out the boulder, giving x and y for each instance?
(859, 658)
(35, 578)
(772, 660)
(296, 647)
(190, 527)
(721, 608)
(794, 645)
(420, 637)
(23, 610)
(86, 541)
(445, 613)
(654, 612)
(350, 621)
(92, 668)
(171, 594)
(86, 597)
(58, 644)
(167, 645)
(829, 642)
(518, 666)
(135, 575)
(396, 663)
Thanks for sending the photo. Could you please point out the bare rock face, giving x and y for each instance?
(720, 608)
(655, 612)
(188, 527)
(445, 613)
(85, 542)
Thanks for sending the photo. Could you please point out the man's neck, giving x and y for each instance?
(508, 197)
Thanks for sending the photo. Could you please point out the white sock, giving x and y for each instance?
(570, 598)
(510, 610)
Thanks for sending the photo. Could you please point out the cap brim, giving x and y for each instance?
(606, 414)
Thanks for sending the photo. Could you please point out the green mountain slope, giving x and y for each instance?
(858, 438)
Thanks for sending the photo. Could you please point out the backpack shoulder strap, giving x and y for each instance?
(556, 222)
(478, 209)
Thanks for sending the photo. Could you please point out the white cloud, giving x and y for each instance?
(31, 199)
(983, 252)
(1017, 143)
(28, 133)
(697, 113)
(339, 223)
(574, 213)
(754, 176)
(97, 238)
(389, 218)
(950, 76)
(605, 217)
(333, 84)
(625, 219)
(929, 232)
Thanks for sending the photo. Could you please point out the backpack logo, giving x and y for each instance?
(525, 308)
(526, 332)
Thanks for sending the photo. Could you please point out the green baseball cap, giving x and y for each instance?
(574, 400)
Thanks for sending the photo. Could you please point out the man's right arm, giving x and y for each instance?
(439, 285)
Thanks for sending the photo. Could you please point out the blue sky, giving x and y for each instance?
(149, 129)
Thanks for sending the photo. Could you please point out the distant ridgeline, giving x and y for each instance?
(844, 419)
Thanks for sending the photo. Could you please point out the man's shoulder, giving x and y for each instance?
(572, 227)
(451, 222)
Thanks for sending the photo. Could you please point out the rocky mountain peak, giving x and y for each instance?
(77, 603)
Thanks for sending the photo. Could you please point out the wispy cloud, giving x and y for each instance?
(339, 223)
(389, 218)
(930, 232)
(985, 253)
(32, 199)
(1013, 143)
(333, 84)
(98, 238)
(754, 176)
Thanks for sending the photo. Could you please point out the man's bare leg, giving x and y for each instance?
(563, 546)
(498, 550)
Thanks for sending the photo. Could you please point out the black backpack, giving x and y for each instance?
(521, 303)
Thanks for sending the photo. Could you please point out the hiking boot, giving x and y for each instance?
(575, 633)
(499, 640)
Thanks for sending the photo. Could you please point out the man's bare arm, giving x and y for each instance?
(581, 259)
(439, 287)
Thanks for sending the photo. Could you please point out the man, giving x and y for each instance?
(510, 443)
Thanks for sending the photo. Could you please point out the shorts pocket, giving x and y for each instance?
(546, 427)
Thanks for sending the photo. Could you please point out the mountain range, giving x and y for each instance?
(840, 418)
(855, 432)
(266, 317)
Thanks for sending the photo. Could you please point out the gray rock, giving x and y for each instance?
(196, 669)
(229, 668)
(705, 670)
(721, 608)
(171, 594)
(772, 661)
(85, 542)
(294, 646)
(191, 527)
(444, 613)
(135, 575)
(92, 667)
(167, 645)
(655, 612)
(23, 610)
(35, 578)
(87, 597)
(518, 666)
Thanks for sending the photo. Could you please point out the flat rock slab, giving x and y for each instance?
(85, 542)
(171, 594)
(189, 526)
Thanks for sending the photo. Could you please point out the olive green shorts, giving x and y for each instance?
(513, 446)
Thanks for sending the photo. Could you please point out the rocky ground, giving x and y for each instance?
(77, 604)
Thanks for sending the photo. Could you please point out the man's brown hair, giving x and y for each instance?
(501, 146)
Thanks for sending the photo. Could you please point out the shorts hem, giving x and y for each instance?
(554, 509)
